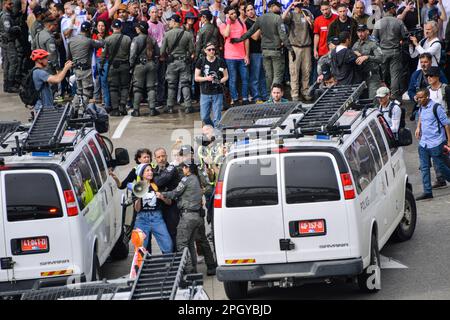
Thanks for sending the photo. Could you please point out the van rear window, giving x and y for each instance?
(310, 179)
(32, 196)
(252, 183)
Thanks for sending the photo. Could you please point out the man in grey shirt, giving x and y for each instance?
(390, 31)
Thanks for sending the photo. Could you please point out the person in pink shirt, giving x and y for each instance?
(155, 27)
(237, 55)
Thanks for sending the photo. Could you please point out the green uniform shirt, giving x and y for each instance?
(123, 53)
(371, 49)
(185, 47)
(208, 33)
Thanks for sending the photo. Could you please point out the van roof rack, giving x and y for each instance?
(7, 128)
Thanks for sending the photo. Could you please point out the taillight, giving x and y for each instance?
(349, 190)
(280, 150)
(71, 203)
(218, 195)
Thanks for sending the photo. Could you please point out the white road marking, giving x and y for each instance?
(389, 263)
(121, 127)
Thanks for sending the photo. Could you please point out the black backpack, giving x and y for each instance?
(100, 117)
(402, 116)
(27, 92)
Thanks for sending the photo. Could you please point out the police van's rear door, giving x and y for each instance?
(3, 256)
(315, 213)
(250, 222)
(36, 226)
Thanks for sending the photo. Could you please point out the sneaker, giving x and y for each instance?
(135, 113)
(439, 184)
(424, 196)
(59, 99)
(259, 101)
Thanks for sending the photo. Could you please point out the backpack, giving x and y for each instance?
(27, 91)
(100, 117)
(402, 116)
(442, 61)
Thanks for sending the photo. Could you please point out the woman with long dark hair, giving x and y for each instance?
(102, 33)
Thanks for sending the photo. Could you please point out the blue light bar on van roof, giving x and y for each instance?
(322, 137)
(46, 154)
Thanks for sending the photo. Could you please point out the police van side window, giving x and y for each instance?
(252, 183)
(361, 163)
(373, 148)
(98, 159)
(388, 134)
(93, 165)
(380, 141)
(105, 150)
(310, 179)
(32, 196)
(84, 185)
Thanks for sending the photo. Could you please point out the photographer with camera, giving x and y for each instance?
(212, 73)
(80, 50)
(430, 44)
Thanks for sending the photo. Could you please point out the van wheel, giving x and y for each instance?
(121, 248)
(96, 271)
(407, 225)
(369, 281)
(236, 290)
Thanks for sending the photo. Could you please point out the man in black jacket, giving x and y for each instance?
(343, 61)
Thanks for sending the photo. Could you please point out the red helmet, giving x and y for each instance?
(38, 54)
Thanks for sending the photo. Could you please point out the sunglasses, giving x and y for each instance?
(211, 49)
(429, 76)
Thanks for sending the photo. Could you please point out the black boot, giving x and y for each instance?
(169, 110)
(114, 113)
(123, 110)
(154, 112)
(135, 113)
(189, 110)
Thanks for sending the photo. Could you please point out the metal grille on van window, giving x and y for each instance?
(7, 128)
(48, 128)
(268, 115)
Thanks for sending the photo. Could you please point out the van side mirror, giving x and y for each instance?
(404, 137)
(121, 157)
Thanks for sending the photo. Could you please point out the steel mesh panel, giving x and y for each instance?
(7, 128)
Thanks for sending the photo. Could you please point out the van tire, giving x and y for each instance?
(121, 248)
(407, 225)
(236, 290)
(367, 275)
(96, 270)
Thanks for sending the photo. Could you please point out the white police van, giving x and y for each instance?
(316, 204)
(60, 211)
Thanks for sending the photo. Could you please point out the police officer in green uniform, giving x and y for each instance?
(117, 52)
(144, 50)
(273, 39)
(207, 33)
(369, 59)
(46, 40)
(9, 32)
(37, 25)
(81, 49)
(178, 49)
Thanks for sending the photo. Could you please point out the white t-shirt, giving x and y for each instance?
(436, 96)
(394, 122)
(427, 46)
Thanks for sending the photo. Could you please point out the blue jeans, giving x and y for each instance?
(104, 84)
(233, 67)
(436, 154)
(151, 222)
(257, 80)
(206, 102)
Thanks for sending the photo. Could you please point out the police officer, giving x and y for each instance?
(207, 33)
(178, 49)
(9, 32)
(37, 25)
(369, 59)
(144, 50)
(81, 49)
(167, 178)
(390, 31)
(117, 52)
(45, 40)
(273, 38)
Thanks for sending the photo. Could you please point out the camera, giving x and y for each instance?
(416, 32)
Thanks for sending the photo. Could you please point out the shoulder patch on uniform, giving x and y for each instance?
(184, 179)
(52, 47)
(6, 24)
(170, 168)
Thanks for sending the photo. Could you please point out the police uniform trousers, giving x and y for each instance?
(10, 62)
(179, 71)
(85, 83)
(187, 230)
(373, 83)
(203, 246)
(300, 71)
(392, 70)
(145, 77)
(118, 81)
(273, 62)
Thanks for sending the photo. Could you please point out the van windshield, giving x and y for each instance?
(32, 196)
(310, 179)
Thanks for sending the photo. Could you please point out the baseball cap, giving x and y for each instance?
(362, 27)
(207, 14)
(117, 24)
(142, 25)
(185, 150)
(334, 40)
(175, 18)
(382, 92)
(433, 71)
(389, 5)
(86, 26)
(274, 3)
(190, 15)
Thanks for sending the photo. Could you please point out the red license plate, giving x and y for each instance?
(34, 244)
(312, 227)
